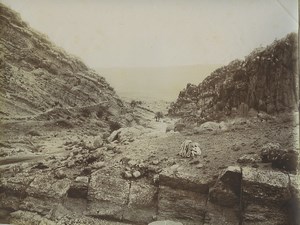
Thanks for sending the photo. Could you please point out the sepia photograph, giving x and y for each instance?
(161, 112)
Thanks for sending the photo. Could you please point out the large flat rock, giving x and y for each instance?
(107, 196)
(142, 205)
(218, 215)
(226, 191)
(181, 205)
(15, 185)
(265, 186)
(256, 214)
(179, 177)
(47, 186)
(42, 206)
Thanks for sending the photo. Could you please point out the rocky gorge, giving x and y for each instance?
(73, 152)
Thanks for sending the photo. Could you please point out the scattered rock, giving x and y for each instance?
(199, 166)
(249, 158)
(236, 147)
(127, 174)
(155, 162)
(170, 128)
(40, 165)
(98, 143)
(194, 161)
(98, 165)
(223, 126)
(210, 126)
(165, 222)
(111, 146)
(126, 134)
(71, 163)
(34, 133)
(265, 116)
(155, 178)
(132, 163)
(59, 174)
(136, 174)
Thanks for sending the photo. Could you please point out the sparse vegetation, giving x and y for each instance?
(86, 112)
(135, 103)
(34, 133)
(64, 124)
(100, 113)
(158, 116)
(113, 125)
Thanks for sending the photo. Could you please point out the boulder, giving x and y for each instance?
(249, 158)
(179, 177)
(265, 186)
(226, 191)
(45, 185)
(126, 134)
(209, 126)
(142, 205)
(43, 206)
(180, 205)
(98, 142)
(25, 217)
(257, 214)
(294, 203)
(280, 158)
(170, 127)
(79, 187)
(9, 202)
(136, 174)
(165, 222)
(107, 196)
(221, 195)
(218, 215)
(15, 186)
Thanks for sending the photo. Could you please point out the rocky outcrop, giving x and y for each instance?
(240, 195)
(36, 75)
(265, 81)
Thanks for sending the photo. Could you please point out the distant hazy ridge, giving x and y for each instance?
(162, 83)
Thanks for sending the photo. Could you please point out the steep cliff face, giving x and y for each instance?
(266, 80)
(36, 76)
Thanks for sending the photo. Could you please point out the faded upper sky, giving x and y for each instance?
(143, 33)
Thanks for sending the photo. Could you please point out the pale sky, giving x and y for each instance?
(154, 33)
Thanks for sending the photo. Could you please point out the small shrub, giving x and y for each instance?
(64, 123)
(113, 125)
(100, 113)
(179, 127)
(133, 103)
(158, 116)
(34, 133)
(85, 112)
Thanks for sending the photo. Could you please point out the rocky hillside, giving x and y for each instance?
(266, 80)
(36, 75)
